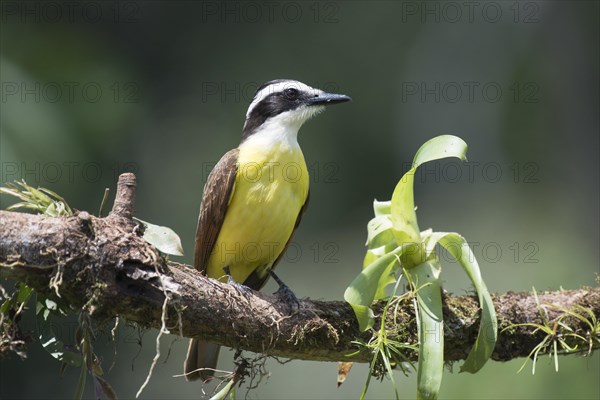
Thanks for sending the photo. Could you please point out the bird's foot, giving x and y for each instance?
(244, 290)
(286, 294)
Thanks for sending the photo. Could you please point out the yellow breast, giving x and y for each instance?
(271, 187)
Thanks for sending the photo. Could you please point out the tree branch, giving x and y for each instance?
(105, 266)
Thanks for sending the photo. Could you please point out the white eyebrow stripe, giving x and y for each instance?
(279, 87)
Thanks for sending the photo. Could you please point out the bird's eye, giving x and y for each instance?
(291, 93)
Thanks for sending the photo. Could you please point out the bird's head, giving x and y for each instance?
(286, 104)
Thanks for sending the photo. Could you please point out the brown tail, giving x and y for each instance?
(201, 355)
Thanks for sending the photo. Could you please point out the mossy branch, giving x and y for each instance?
(105, 266)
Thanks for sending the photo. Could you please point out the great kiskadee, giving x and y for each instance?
(254, 198)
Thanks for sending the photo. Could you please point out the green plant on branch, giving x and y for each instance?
(396, 246)
(387, 352)
(559, 336)
(41, 200)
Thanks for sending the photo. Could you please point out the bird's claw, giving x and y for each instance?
(289, 298)
(242, 289)
(286, 294)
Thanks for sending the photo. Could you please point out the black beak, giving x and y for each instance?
(327, 98)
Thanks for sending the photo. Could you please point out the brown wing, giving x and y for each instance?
(215, 199)
(260, 276)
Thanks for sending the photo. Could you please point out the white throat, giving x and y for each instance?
(282, 129)
(274, 133)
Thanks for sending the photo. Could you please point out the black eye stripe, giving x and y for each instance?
(276, 103)
(272, 105)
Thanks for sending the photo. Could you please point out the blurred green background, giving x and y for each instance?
(93, 89)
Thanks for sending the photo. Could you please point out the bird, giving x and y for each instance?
(254, 198)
